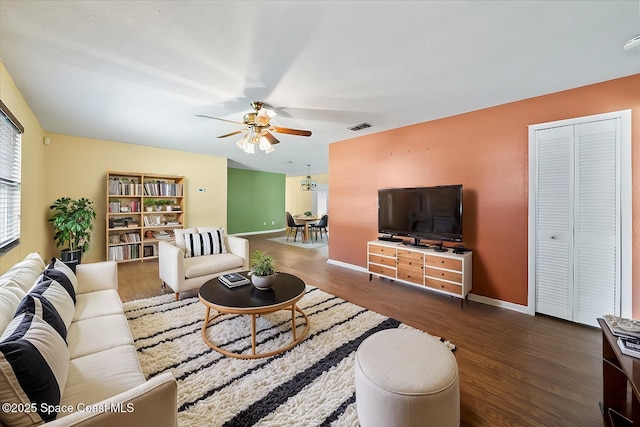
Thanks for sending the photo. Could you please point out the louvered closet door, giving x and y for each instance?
(554, 225)
(597, 224)
(578, 221)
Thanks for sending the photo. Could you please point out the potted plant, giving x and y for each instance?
(149, 204)
(162, 203)
(263, 270)
(72, 221)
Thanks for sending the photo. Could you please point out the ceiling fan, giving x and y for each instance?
(258, 129)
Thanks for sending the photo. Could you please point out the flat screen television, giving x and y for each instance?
(430, 213)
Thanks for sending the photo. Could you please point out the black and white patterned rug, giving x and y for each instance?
(311, 384)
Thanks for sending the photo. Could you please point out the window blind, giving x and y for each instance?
(10, 182)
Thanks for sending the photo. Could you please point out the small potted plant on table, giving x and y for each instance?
(263, 271)
(72, 221)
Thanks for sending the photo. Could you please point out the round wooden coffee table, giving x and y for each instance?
(284, 294)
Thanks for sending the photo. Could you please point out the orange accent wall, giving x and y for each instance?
(487, 152)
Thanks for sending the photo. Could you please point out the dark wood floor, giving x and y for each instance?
(515, 369)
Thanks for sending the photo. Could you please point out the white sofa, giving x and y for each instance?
(97, 371)
(182, 270)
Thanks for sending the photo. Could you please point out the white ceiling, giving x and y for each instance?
(139, 71)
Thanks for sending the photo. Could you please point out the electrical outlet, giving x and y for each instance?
(264, 223)
(273, 223)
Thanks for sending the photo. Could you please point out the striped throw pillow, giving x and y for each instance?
(44, 309)
(209, 243)
(34, 365)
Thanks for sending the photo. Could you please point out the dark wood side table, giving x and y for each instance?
(620, 404)
(283, 295)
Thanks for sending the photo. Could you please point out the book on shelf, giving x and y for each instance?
(161, 235)
(232, 280)
(621, 327)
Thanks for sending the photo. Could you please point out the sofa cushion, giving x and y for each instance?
(98, 376)
(209, 243)
(26, 272)
(43, 308)
(97, 303)
(178, 235)
(113, 331)
(10, 296)
(34, 364)
(61, 273)
(211, 264)
(59, 294)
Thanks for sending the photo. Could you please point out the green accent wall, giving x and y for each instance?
(255, 201)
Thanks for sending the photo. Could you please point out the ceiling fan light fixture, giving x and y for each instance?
(242, 142)
(250, 149)
(258, 128)
(269, 149)
(264, 144)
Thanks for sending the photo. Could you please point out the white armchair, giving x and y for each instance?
(182, 273)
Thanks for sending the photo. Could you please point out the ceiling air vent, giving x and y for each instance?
(359, 127)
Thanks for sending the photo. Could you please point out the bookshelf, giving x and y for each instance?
(142, 209)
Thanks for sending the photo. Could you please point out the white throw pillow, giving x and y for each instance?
(26, 272)
(179, 233)
(10, 296)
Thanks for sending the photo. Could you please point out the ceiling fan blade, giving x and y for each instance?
(272, 139)
(230, 134)
(216, 118)
(292, 131)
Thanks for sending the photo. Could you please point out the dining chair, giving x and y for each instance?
(321, 225)
(292, 226)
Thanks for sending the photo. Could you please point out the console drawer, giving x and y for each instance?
(385, 271)
(410, 255)
(443, 274)
(411, 276)
(382, 250)
(443, 286)
(377, 259)
(448, 263)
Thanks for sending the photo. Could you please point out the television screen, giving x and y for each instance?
(432, 213)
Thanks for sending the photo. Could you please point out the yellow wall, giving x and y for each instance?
(77, 167)
(33, 226)
(297, 201)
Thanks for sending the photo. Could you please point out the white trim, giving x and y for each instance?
(498, 303)
(347, 265)
(472, 297)
(625, 205)
(258, 232)
(626, 291)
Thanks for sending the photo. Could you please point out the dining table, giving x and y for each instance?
(307, 219)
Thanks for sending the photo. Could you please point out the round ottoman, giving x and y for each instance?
(406, 378)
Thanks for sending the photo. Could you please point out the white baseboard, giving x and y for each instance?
(476, 298)
(258, 232)
(499, 303)
(347, 265)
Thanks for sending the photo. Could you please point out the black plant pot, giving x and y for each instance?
(71, 258)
